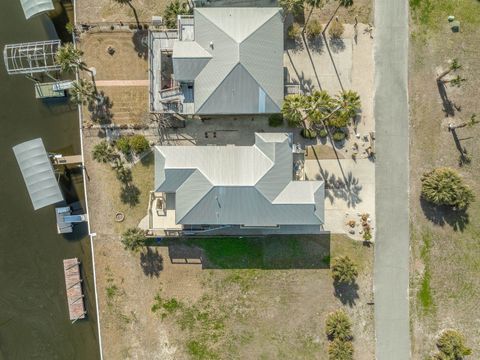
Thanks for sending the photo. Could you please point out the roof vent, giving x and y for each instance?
(211, 44)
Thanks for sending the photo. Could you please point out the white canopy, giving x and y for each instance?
(35, 7)
(38, 173)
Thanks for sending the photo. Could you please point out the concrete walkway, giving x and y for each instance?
(122, 83)
(392, 244)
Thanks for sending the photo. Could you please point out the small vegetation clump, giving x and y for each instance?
(451, 346)
(336, 30)
(133, 239)
(338, 326)
(172, 11)
(314, 28)
(139, 144)
(294, 31)
(123, 145)
(309, 133)
(275, 120)
(340, 350)
(323, 133)
(103, 152)
(338, 136)
(344, 270)
(443, 186)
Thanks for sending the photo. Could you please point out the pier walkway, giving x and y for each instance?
(73, 284)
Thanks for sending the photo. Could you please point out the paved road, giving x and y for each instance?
(392, 237)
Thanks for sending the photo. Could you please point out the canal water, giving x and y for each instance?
(34, 321)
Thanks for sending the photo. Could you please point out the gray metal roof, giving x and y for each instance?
(35, 7)
(238, 185)
(245, 72)
(38, 173)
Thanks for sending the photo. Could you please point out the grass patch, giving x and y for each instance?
(112, 291)
(199, 350)
(273, 252)
(425, 293)
(168, 306)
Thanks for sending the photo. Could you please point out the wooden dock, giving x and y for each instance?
(73, 284)
(66, 160)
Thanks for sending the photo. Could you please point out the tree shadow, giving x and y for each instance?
(130, 194)
(347, 189)
(294, 45)
(151, 262)
(464, 159)
(448, 105)
(306, 85)
(100, 109)
(316, 44)
(441, 215)
(140, 44)
(337, 45)
(346, 293)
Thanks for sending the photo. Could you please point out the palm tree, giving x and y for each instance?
(294, 7)
(344, 270)
(338, 326)
(473, 121)
(293, 110)
(129, 3)
(172, 11)
(318, 106)
(82, 91)
(443, 186)
(133, 239)
(69, 58)
(313, 4)
(349, 102)
(451, 345)
(102, 152)
(454, 66)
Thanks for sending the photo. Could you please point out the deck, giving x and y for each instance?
(73, 285)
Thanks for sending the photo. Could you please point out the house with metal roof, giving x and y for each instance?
(226, 61)
(201, 188)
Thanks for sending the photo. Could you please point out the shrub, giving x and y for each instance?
(123, 145)
(344, 270)
(340, 350)
(294, 31)
(139, 143)
(323, 133)
(133, 239)
(314, 28)
(336, 30)
(338, 136)
(275, 120)
(451, 345)
(338, 326)
(102, 152)
(70, 28)
(443, 186)
(308, 133)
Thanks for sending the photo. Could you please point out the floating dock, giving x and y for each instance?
(73, 284)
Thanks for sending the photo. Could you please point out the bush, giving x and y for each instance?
(123, 145)
(314, 28)
(139, 143)
(294, 31)
(323, 133)
(443, 186)
(451, 345)
(340, 350)
(133, 239)
(338, 136)
(336, 30)
(275, 120)
(308, 133)
(344, 270)
(102, 152)
(338, 326)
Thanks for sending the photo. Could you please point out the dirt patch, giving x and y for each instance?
(97, 11)
(316, 152)
(445, 248)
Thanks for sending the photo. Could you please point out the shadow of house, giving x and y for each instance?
(441, 215)
(270, 252)
(346, 293)
(151, 262)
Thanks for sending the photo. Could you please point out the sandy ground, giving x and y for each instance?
(444, 244)
(97, 11)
